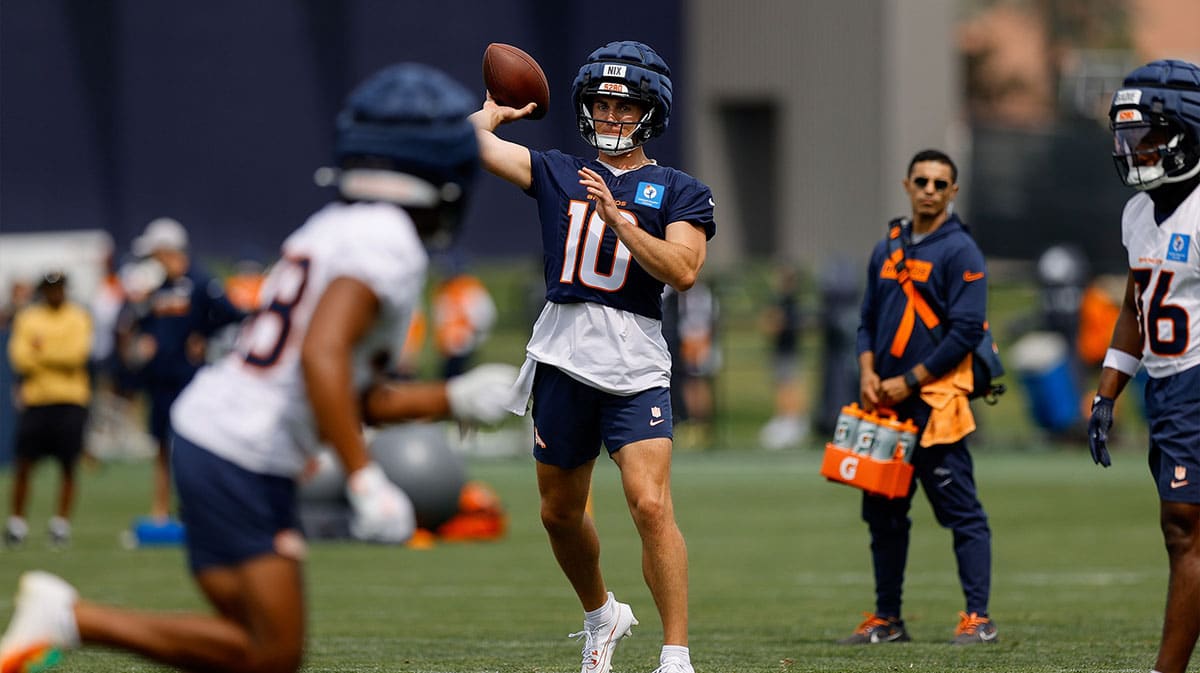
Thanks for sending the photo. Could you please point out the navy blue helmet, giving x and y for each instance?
(624, 69)
(1155, 118)
(403, 136)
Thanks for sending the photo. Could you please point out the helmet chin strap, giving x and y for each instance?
(615, 145)
(1144, 178)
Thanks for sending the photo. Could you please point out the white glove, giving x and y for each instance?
(482, 395)
(382, 512)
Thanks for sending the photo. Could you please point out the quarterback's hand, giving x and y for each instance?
(495, 114)
(482, 394)
(382, 512)
(1098, 427)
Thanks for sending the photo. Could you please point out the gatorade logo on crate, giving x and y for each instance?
(848, 468)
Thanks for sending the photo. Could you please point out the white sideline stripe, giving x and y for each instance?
(1035, 579)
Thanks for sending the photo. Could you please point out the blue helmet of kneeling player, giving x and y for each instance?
(404, 137)
(624, 69)
(1155, 118)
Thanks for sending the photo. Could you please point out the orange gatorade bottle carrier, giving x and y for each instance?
(878, 460)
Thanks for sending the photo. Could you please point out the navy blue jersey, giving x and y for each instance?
(947, 267)
(583, 260)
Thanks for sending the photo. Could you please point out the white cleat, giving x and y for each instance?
(42, 625)
(674, 667)
(599, 643)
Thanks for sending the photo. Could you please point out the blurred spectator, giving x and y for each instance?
(839, 291)
(1098, 311)
(1062, 272)
(782, 322)
(463, 317)
(49, 349)
(1046, 345)
(243, 287)
(104, 307)
(20, 294)
(696, 360)
(244, 284)
(165, 334)
(115, 429)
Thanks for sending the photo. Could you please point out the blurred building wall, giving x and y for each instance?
(849, 91)
(114, 112)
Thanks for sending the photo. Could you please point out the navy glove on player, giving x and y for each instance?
(1098, 427)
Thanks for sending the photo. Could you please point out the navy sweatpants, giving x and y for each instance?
(946, 474)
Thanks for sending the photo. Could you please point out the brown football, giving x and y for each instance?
(515, 79)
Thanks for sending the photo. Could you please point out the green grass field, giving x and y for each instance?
(779, 569)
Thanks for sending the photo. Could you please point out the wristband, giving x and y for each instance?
(910, 380)
(1122, 361)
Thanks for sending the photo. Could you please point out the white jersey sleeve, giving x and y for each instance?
(251, 407)
(1164, 259)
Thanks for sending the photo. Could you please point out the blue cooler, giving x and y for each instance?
(1043, 364)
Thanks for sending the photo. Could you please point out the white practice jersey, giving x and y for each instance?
(619, 352)
(251, 407)
(1165, 262)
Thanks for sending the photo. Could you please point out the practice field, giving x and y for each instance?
(780, 569)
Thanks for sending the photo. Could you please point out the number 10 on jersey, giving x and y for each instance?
(588, 262)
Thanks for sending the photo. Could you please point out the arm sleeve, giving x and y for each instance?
(966, 309)
(220, 311)
(538, 171)
(695, 205)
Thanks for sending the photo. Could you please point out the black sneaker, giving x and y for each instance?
(974, 629)
(877, 629)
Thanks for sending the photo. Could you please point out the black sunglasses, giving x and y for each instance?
(939, 185)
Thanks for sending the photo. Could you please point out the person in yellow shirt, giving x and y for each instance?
(49, 349)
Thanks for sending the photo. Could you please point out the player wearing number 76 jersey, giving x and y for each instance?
(1155, 118)
(615, 229)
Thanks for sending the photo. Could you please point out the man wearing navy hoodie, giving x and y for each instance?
(899, 354)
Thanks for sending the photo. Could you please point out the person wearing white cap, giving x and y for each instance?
(165, 342)
(162, 235)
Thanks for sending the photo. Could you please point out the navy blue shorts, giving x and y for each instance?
(231, 515)
(571, 419)
(1173, 414)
